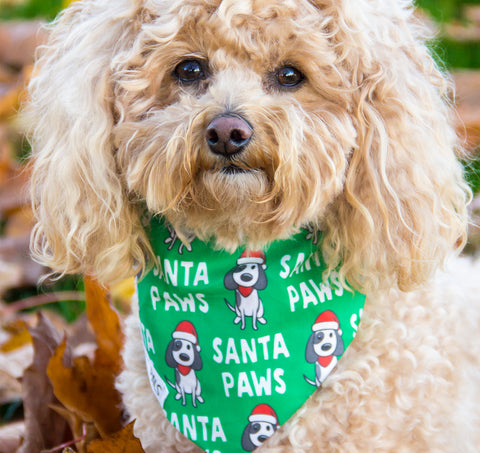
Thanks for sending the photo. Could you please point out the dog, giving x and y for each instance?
(247, 278)
(324, 345)
(262, 423)
(240, 122)
(183, 354)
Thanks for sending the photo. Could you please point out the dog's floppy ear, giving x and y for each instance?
(228, 281)
(403, 208)
(310, 354)
(247, 443)
(340, 349)
(85, 221)
(169, 355)
(197, 359)
(262, 279)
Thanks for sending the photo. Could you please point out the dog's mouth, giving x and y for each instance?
(232, 169)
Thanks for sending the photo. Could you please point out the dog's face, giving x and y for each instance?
(246, 275)
(241, 121)
(230, 119)
(325, 342)
(260, 432)
(183, 352)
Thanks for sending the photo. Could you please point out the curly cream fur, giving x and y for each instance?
(363, 150)
(409, 383)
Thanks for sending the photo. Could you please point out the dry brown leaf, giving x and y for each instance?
(106, 326)
(467, 103)
(9, 101)
(18, 41)
(44, 427)
(16, 266)
(10, 437)
(19, 336)
(20, 222)
(87, 388)
(9, 168)
(123, 441)
(86, 432)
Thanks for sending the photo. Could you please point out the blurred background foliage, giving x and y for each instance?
(31, 9)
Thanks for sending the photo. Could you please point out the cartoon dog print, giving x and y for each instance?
(262, 423)
(183, 354)
(172, 239)
(324, 346)
(246, 279)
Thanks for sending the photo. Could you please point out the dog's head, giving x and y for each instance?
(255, 433)
(183, 352)
(324, 343)
(248, 275)
(242, 121)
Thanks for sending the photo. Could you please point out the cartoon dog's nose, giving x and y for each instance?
(228, 135)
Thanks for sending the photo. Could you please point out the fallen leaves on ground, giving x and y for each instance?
(85, 387)
(70, 399)
(45, 428)
(122, 442)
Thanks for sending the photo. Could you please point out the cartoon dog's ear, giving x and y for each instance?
(340, 349)
(310, 354)
(247, 443)
(197, 360)
(85, 221)
(228, 281)
(169, 355)
(262, 279)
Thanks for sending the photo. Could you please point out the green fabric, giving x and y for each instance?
(227, 364)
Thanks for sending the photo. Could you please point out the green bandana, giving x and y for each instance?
(235, 343)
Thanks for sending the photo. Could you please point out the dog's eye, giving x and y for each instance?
(288, 76)
(189, 71)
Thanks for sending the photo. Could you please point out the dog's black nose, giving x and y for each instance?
(228, 135)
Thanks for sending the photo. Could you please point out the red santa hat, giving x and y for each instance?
(327, 320)
(186, 331)
(263, 413)
(251, 257)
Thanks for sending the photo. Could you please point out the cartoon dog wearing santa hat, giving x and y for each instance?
(262, 423)
(324, 346)
(246, 279)
(183, 354)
